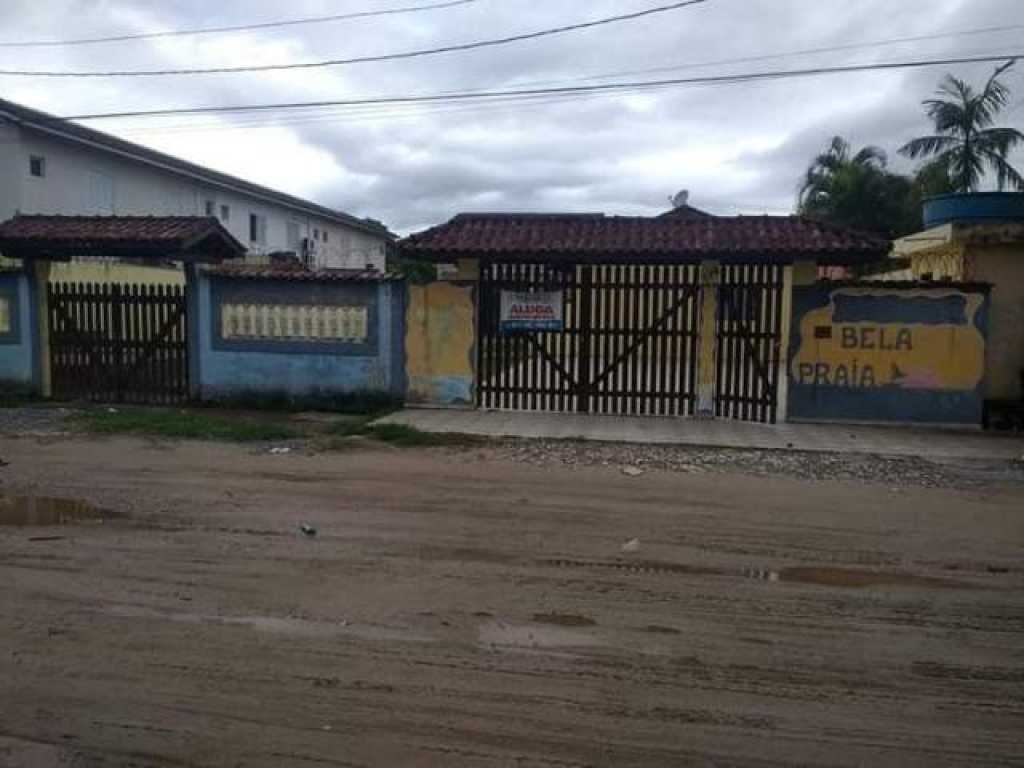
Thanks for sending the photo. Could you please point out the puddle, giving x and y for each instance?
(44, 510)
(498, 633)
(851, 578)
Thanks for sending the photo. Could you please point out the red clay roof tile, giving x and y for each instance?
(775, 239)
(190, 238)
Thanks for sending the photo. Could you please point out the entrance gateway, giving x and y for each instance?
(681, 314)
(625, 339)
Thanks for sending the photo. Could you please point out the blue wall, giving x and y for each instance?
(229, 367)
(17, 359)
(877, 353)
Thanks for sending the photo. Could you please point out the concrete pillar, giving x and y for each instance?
(787, 322)
(38, 295)
(707, 365)
(193, 318)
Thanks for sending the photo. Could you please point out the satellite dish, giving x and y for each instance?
(680, 199)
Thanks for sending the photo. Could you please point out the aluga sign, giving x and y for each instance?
(531, 311)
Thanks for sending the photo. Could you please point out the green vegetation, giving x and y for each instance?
(180, 424)
(395, 434)
(366, 403)
(966, 142)
(857, 189)
(410, 437)
(14, 394)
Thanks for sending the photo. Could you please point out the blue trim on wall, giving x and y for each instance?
(920, 310)
(19, 353)
(398, 298)
(225, 290)
(894, 404)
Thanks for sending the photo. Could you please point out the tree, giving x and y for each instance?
(855, 189)
(965, 143)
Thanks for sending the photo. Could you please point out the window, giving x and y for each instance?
(211, 208)
(316, 233)
(257, 228)
(225, 213)
(37, 165)
(325, 235)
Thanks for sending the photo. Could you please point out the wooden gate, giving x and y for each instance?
(628, 343)
(118, 343)
(749, 343)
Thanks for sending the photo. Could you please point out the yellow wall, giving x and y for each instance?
(901, 353)
(440, 343)
(1003, 267)
(96, 271)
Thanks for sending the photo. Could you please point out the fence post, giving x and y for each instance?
(37, 275)
(782, 411)
(193, 311)
(707, 343)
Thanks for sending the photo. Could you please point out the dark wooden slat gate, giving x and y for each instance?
(118, 343)
(628, 346)
(749, 342)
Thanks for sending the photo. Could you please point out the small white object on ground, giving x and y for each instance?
(279, 451)
(111, 410)
(308, 529)
(633, 545)
(632, 471)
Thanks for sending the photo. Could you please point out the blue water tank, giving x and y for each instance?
(973, 208)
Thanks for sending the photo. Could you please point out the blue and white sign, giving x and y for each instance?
(531, 311)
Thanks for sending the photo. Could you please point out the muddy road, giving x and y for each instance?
(458, 609)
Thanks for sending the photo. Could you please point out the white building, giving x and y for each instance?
(55, 167)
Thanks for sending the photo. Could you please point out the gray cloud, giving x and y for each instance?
(739, 148)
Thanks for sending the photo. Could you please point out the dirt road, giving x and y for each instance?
(459, 609)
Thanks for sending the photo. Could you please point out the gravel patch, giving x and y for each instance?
(635, 460)
(32, 422)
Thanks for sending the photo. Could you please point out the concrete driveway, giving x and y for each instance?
(933, 443)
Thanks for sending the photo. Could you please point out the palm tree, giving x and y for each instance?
(855, 189)
(965, 142)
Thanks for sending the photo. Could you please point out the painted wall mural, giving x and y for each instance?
(440, 343)
(872, 353)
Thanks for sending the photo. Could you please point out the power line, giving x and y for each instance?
(235, 28)
(579, 89)
(787, 54)
(364, 59)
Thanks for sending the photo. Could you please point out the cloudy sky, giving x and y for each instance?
(738, 148)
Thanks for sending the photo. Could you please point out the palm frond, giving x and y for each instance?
(871, 156)
(1001, 140)
(948, 116)
(927, 145)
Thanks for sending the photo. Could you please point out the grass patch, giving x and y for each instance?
(179, 424)
(14, 394)
(366, 403)
(410, 437)
(395, 434)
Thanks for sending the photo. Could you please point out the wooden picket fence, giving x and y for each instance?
(118, 342)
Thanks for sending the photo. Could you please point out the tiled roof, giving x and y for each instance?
(300, 274)
(186, 238)
(776, 239)
(685, 212)
(56, 126)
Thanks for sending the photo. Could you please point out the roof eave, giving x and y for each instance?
(226, 181)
